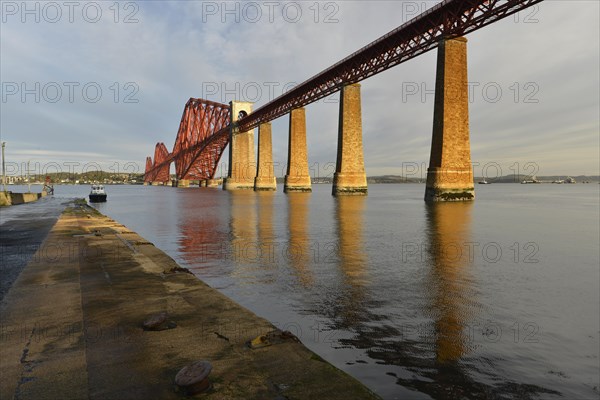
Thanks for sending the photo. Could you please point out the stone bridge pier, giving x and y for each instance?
(350, 177)
(297, 178)
(265, 174)
(450, 173)
(242, 167)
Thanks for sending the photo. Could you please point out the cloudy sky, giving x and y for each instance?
(102, 82)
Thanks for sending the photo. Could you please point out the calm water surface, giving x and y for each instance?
(495, 299)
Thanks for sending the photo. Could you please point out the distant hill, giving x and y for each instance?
(393, 179)
(548, 178)
(75, 177)
(501, 179)
(111, 177)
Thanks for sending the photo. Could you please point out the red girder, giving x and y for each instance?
(450, 18)
(162, 164)
(196, 153)
(200, 143)
(147, 177)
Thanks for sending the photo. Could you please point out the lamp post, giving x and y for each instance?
(3, 168)
(28, 179)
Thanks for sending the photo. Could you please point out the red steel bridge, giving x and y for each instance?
(197, 148)
(204, 130)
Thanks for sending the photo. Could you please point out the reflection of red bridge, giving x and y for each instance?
(207, 128)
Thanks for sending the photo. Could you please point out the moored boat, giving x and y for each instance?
(97, 194)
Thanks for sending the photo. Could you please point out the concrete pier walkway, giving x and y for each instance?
(23, 229)
(71, 327)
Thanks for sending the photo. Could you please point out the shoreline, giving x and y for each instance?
(72, 326)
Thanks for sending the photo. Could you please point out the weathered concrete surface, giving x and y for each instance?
(10, 198)
(450, 173)
(22, 232)
(21, 198)
(72, 328)
(297, 178)
(265, 174)
(350, 177)
(213, 183)
(5, 199)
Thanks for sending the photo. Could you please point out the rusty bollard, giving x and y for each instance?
(158, 322)
(193, 378)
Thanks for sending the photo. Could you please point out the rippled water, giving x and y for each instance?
(495, 299)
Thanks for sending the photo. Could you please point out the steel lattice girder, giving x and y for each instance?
(201, 128)
(200, 120)
(450, 18)
(162, 164)
(208, 153)
(147, 177)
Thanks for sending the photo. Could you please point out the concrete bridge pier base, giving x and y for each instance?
(350, 177)
(450, 173)
(265, 175)
(203, 183)
(242, 168)
(212, 183)
(297, 178)
(183, 183)
(156, 183)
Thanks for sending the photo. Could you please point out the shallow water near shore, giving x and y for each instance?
(499, 298)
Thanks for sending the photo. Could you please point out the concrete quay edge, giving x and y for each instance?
(71, 327)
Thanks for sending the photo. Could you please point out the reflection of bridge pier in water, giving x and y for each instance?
(432, 355)
(266, 245)
(243, 230)
(352, 260)
(266, 232)
(453, 302)
(349, 218)
(298, 250)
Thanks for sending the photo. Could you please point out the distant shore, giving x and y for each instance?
(89, 179)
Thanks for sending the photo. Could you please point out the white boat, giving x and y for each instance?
(97, 194)
(483, 182)
(532, 180)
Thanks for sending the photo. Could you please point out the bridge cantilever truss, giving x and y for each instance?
(159, 170)
(198, 147)
(450, 18)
